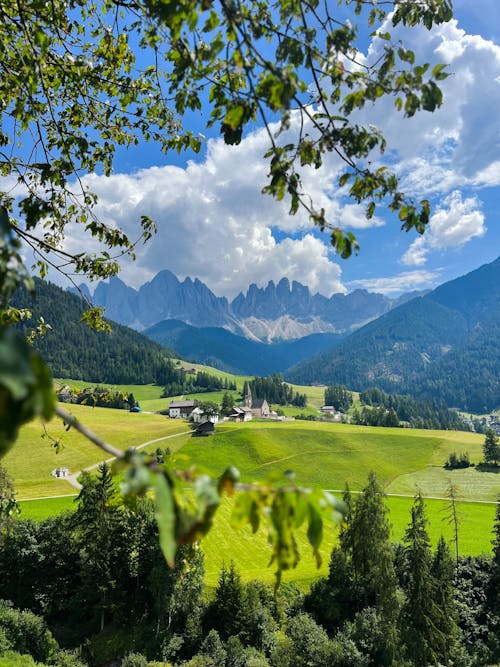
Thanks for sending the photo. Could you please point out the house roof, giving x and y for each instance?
(258, 402)
(183, 404)
(206, 426)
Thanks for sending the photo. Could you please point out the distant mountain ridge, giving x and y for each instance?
(226, 351)
(444, 345)
(281, 311)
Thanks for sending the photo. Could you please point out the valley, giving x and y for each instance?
(322, 455)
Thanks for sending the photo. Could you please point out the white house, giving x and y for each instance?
(181, 409)
(199, 416)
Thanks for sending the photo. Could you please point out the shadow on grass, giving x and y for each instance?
(488, 467)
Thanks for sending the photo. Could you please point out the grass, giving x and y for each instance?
(324, 455)
(32, 458)
(42, 508)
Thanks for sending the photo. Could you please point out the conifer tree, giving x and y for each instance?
(227, 613)
(367, 537)
(491, 448)
(443, 572)
(420, 630)
(494, 592)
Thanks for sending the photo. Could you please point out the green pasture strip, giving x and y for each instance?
(470, 483)
(238, 379)
(322, 455)
(475, 523)
(251, 552)
(32, 458)
(291, 411)
(42, 508)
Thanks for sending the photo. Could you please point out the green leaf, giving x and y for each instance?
(165, 516)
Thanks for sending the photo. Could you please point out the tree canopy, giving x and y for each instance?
(80, 81)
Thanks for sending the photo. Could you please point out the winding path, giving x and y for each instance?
(73, 478)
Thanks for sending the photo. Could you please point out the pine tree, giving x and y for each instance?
(368, 538)
(494, 595)
(491, 448)
(420, 615)
(443, 572)
(227, 613)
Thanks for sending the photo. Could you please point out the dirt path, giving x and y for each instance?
(73, 478)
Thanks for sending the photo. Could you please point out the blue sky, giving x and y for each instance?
(215, 225)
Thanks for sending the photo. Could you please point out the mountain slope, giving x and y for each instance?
(445, 344)
(219, 348)
(74, 351)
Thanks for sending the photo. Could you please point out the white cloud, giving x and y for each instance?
(454, 223)
(459, 143)
(403, 282)
(214, 223)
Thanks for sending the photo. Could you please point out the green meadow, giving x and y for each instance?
(321, 455)
(33, 457)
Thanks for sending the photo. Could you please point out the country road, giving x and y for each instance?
(73, 478)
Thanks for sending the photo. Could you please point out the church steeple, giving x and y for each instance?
(248, 395)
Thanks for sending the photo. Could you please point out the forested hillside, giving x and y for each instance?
(222, 349)
(445, 345)
(75, 351)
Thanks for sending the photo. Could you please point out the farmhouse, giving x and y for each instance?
(181, 409)
(240, 414)
(199, 416)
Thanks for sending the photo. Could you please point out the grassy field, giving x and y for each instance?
(322, 455)
(32, 458)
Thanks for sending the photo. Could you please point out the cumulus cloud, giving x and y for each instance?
(458, 144)
(214, 223)
(454, 223)
(403, 282)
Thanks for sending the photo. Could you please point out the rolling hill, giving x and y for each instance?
(444, 345)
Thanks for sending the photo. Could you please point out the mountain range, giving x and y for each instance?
(277, 312)
(445, 345)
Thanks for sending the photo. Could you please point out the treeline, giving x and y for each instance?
(73, 350)
(339, 397)
(274, 390)
(417, 413)
(380, 605)
(98, 397)
(175, 381)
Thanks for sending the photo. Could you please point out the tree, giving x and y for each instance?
(75, 90)
(420, 628)
(491, 448)
(227, 613)
(95, 521)
(443, 571)
(227, 403)
(338, 396)
(8, 505)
